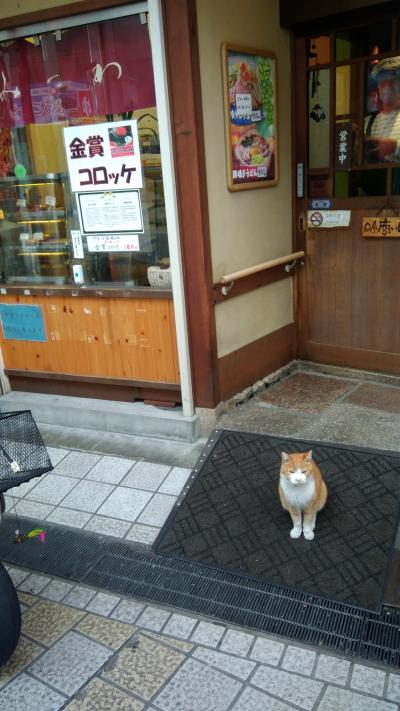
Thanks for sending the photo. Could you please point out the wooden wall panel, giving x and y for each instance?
(255, 360)
(113, 337)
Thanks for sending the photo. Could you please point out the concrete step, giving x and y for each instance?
(148, 449)
(125, 418)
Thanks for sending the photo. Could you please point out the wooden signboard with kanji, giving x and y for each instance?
(388, 227)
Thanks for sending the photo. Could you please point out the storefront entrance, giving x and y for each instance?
(347, 162)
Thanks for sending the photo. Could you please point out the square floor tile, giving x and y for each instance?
(237, 642)
(152, 618)
(52, 489)
(33, 509)
(175, 481)
(17, 575)
(142, 534)
(180, 626)
(207, 633)
(111, 633)
(56, 454)
(268, 651)
(68, 517)
(196, 686)
(127, 611)
(157, 510)
(299, 660)
(22, 489)
(253, 700)
(26, 652)
(146, 475)
(292, 688)
(79, 596)
(100, 696)
(107, 526)
(56, 590)
(368, 680)
(34, 584)
(237, 666)
(306, 392)
(332, 669)
(47, 621)
(70, 662)
(77, 464)
(103, 603)
(336, 699)
(87, 496)
(125, 503)
(25, 693)
(379, 397)
(145, 671)
(110, 470)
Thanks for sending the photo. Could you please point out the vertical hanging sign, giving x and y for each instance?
(343, 145)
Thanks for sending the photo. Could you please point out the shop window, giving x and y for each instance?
(100, 73)
(362, 41)
(359, 183)
(319, 118)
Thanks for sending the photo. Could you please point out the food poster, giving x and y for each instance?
(251, 118)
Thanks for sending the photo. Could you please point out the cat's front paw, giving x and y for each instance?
(308, 535)
(295, 532)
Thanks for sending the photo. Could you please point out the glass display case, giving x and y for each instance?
(33, 225)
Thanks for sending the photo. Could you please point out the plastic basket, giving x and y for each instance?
(23, 454)
(160, 277)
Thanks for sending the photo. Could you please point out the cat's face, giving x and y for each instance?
(297, 467)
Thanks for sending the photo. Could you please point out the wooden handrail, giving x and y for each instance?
(229, 278)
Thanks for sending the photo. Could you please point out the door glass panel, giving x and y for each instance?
(343, 90)
(318, 186)
(319, 118)
(360, 183)
(396, 181)
(362, 41)
(382, 111)
(319, 50)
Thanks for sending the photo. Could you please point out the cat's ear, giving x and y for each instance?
(308, 456)
(285, 457)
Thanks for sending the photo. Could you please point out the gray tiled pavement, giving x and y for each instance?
(110, 652)
(137, 656)
(114, 496)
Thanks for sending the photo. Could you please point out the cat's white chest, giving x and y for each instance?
(298, 496)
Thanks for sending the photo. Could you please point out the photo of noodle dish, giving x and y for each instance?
(252, 149)
(244, 82)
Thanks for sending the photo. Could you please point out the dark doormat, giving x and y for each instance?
(230, 517)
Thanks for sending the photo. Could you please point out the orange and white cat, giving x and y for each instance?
(302, 491)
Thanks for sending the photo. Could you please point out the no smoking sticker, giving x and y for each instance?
(316, 219)
(328, 219)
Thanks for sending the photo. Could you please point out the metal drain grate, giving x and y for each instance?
(118, 567)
